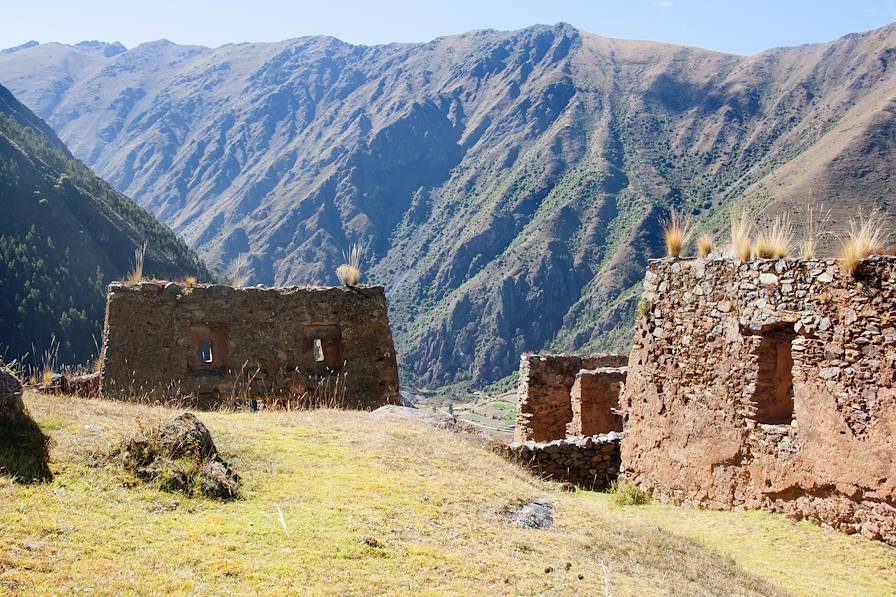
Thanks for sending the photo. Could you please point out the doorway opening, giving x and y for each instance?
(774, 381)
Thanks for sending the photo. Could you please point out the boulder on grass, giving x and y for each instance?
(180, 456)
(186, 437)
(11, 405)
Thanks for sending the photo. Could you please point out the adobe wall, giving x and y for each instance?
(594, 400)
(164, 340)
(587, 462)
(704, 424)
(544, 392)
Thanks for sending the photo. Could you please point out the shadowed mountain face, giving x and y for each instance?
(64, 235)
(506, 187)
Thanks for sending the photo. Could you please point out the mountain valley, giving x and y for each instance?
(507, 188)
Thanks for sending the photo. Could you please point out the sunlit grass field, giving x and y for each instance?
(348, 503)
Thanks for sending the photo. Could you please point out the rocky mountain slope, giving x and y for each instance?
(64, 234)
(506, 187)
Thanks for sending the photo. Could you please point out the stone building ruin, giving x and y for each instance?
(567, 423)
(767, 384)
(210, 344)
(568, 395)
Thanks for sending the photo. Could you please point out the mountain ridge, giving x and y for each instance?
(488, 30)
(506, 187)
(65, 234)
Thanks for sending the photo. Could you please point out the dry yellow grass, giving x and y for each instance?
(239, 279)
(347, 503)
(349, 273)
(136, 274)
(676, 231)
(817, 220)
(864, 236)
(776, 240)
(742, 227)
(704, 246)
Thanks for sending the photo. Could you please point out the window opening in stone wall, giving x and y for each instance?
(207, 347)
(205, 351)
(774, 380)
(318, 350)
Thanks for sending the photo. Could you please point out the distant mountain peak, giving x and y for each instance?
(24, 46)
(106, 48)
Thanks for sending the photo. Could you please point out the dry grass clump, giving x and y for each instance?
(238, 280)
(46, 365)
(704, 246)
(864, 236)
(136, 275)
(349, 273)
(775, 241)
(676, 231)
(816, 220)
(742, 227)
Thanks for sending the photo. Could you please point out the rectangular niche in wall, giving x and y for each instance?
(207, 347)
(321, 344)
(774, 380)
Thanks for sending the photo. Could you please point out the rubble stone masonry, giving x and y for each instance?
(213, 343)
(546, 381)
(767, 384)
(587, 462)
(594, 399)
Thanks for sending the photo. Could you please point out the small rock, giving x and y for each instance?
(829, 372)
(534, 514)
(34, 545)
(219, 481)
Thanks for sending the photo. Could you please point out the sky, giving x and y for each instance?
(737, 26)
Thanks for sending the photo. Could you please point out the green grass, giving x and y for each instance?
(628, 494)
(345, 503)
(799, 557)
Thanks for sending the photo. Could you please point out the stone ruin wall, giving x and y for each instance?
(331, 343)
(590, 462)
(710, 417)
(566, 428)
(544, 392)
(594, 400)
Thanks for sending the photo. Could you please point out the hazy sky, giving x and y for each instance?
(740, 26)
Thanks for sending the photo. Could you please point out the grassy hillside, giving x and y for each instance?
(64, 235)
(346, 503)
